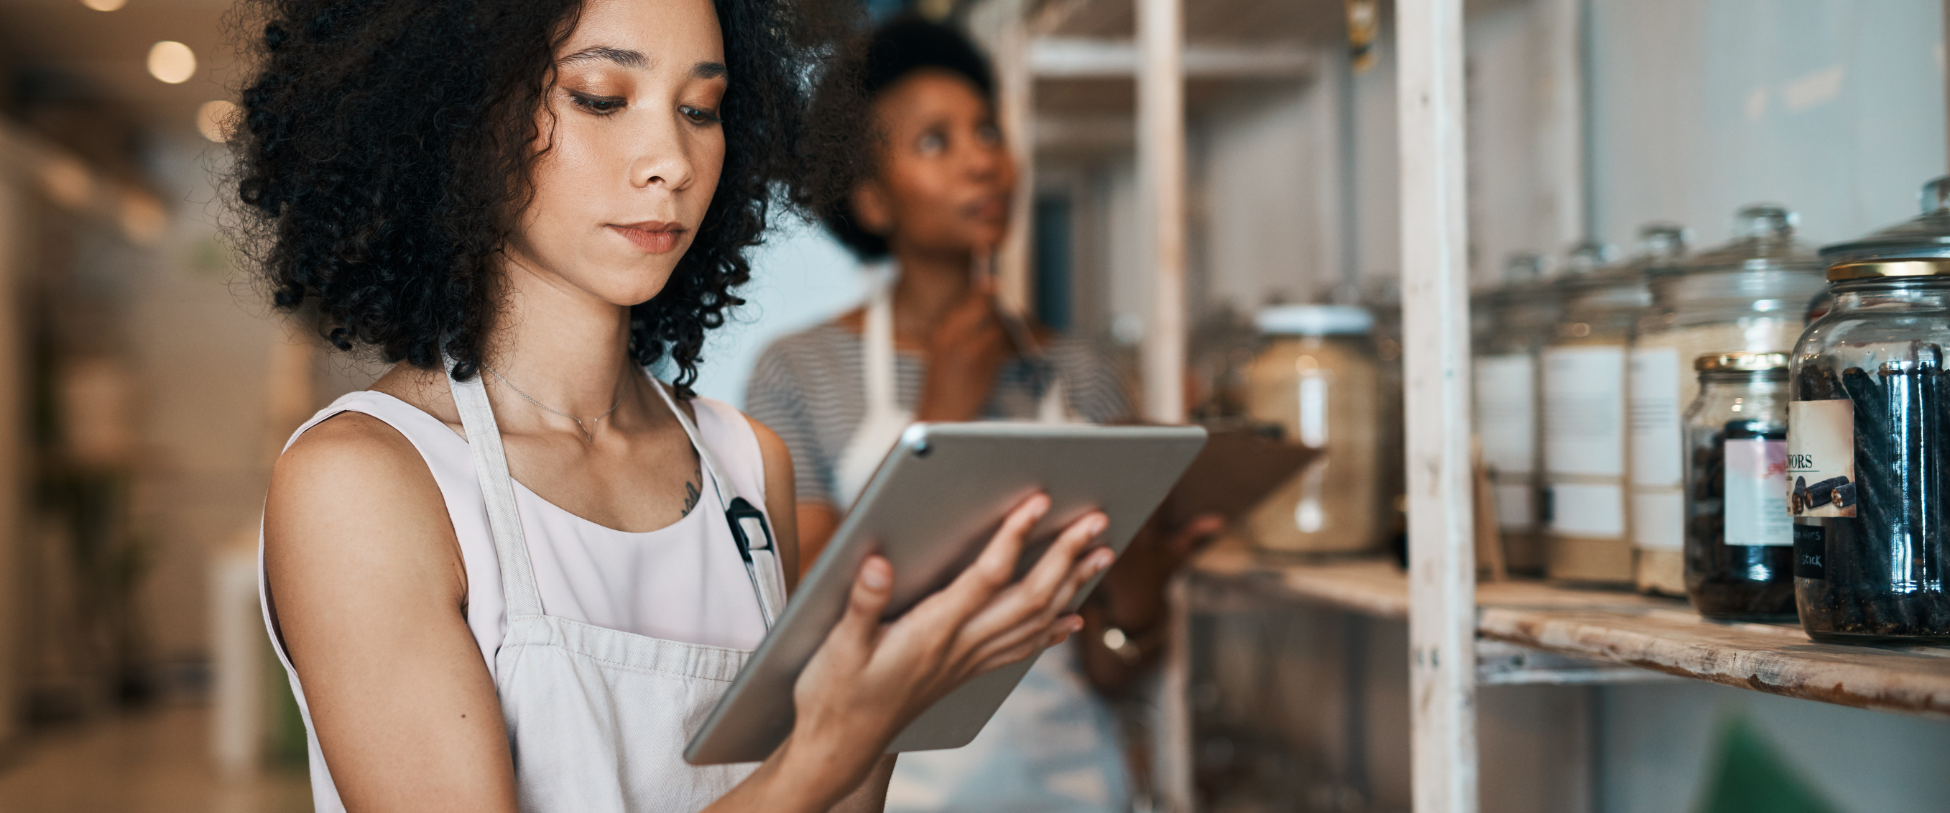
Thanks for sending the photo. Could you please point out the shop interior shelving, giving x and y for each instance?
(1094, 74)
(1608, 635)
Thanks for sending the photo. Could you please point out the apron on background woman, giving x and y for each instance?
(1053, 746)
(597, 718)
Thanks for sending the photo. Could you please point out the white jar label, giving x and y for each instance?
(1820, 478)
(1756, 493)
(1655, 418)
(1584, 403)
(1506, 412)
(1313, 407)
(1596, 511)
(1516, 505)
(1659, 520)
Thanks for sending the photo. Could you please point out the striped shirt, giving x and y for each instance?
(810, 388)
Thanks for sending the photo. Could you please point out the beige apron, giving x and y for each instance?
(598, 718)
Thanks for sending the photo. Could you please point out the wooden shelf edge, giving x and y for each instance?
(1776, 660)
(1621, 627)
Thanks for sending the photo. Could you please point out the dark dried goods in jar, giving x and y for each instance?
(1881, 572)
(1732, 581)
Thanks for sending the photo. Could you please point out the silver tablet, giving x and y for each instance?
(936, 499)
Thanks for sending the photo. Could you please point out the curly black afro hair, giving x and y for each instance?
(868, 67)
(383, 152)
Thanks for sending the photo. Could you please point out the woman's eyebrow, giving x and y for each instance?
(621, 56)
(708, 70)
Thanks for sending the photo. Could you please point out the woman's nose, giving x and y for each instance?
(664, 159)
(987, 160)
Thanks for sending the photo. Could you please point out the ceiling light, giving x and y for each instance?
(172, 62)
(142, 218)
(68, 182)
(214, 119)
(104, 5)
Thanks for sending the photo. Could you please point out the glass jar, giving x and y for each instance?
(1316, 376)
(1383, 299)
(1748, 295)
(1869, 439)
(1511, 323)
(1739, 548)
(1583, 376)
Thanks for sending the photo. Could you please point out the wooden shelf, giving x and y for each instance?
(1618, 627)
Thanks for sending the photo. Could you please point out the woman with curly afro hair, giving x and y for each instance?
(505, 576)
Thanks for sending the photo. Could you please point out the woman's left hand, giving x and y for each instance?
(1131, 599)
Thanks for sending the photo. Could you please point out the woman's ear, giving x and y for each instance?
(872, 211)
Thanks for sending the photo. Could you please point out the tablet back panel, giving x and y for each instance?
(936, 499)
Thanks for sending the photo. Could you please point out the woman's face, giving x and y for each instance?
(946, 177)
(631, 147)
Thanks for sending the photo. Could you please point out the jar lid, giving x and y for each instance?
(1314, 320)
(1763, 240)
(1523, 268)
(1917, 247)
(1588, 265)
(1741, 362)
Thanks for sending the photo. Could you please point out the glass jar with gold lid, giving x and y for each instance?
(1750, 295)
(1739, 546)
(1869, 438)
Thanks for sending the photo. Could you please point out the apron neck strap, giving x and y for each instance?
(704, 455)
(498, 489)
(877, 349)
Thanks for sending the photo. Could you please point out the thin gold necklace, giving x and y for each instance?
(586, 431)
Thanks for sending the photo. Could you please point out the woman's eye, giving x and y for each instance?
(931, 143)
(599, 105)
(700, 116)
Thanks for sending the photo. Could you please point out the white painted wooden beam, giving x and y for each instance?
(1435, 300)
(1092, 132)
(1001, 27)
(1161, 185)
(1084, 57)
(1561, 133)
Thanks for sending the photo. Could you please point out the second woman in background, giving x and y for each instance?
(932, 345)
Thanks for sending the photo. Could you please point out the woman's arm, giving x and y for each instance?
(871, 795)
(817, 522)
(367, 585)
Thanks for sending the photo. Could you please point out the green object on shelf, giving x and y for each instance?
(1751, 776)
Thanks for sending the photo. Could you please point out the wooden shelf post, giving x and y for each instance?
(1161, 181)
(1435, 318)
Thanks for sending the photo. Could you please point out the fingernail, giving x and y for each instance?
(875, 578)
(1098, 523)
(1101, 560)
(1039, 507)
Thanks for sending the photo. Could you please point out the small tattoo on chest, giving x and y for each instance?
(692, 491)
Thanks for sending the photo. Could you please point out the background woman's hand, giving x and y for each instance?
(965, 349)
(871, 677)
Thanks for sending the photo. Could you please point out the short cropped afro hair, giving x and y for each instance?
(383, 154)
(867, 68)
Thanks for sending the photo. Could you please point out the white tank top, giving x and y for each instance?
(685, 582)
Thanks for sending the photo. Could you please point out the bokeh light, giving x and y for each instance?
(172, 62)
(213, 120)
(105, 5)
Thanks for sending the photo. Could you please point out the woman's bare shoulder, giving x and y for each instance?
(351, 495)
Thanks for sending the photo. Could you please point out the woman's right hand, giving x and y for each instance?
(871, 678)
(965, 349)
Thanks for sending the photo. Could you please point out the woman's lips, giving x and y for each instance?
(987, 208)
(652, 238)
